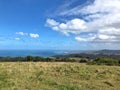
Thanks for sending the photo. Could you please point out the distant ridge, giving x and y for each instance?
(95, 54)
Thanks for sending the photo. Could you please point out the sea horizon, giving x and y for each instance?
(42, 53)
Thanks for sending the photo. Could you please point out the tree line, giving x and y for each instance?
(36, 59)
(95, 61)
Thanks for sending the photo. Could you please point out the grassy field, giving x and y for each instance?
(58, 76)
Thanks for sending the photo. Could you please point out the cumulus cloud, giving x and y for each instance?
(74, 26)
(32, 35)
(100, 22)
(51, 22)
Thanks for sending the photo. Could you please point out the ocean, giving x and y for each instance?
(23, 53)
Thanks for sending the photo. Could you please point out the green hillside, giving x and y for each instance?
(58, 76)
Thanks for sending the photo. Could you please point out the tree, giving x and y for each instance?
(29, 58)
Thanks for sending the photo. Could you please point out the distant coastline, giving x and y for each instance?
(42, 53)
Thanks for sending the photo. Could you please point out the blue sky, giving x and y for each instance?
(59, 24)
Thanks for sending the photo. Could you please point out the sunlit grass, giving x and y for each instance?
(58, 76)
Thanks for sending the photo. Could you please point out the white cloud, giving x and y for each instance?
(101, 18)
(86, 39)
(32, 35)
(74, 26)
(21, 33)
(110, 31)
(17, 39)
(101, 6)
(51, 22)
(94, 7)
(81, 39)
(61, 10)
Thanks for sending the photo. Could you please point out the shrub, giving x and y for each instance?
(104, 61)
(29, 58)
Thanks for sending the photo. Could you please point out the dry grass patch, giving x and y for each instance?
(58, 76)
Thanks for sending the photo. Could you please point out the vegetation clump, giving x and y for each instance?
(105, 61)
(89, 61)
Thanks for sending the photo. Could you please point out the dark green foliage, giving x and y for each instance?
(97, 61)
(38, 59)
(18, 59)
(49, 60)
(29, 58)
(83, 60)
(35, 59)
(105, 61)
(119, 62)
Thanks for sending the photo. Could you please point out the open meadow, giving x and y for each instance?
(58, 76)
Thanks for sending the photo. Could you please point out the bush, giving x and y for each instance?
(38, 59)
(83, 60)
(105, 61)
(29, 58)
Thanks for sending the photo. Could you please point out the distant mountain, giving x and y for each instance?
(94, 54)
(105, 52)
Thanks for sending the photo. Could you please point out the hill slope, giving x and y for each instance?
(58, 76)
(94, 54)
